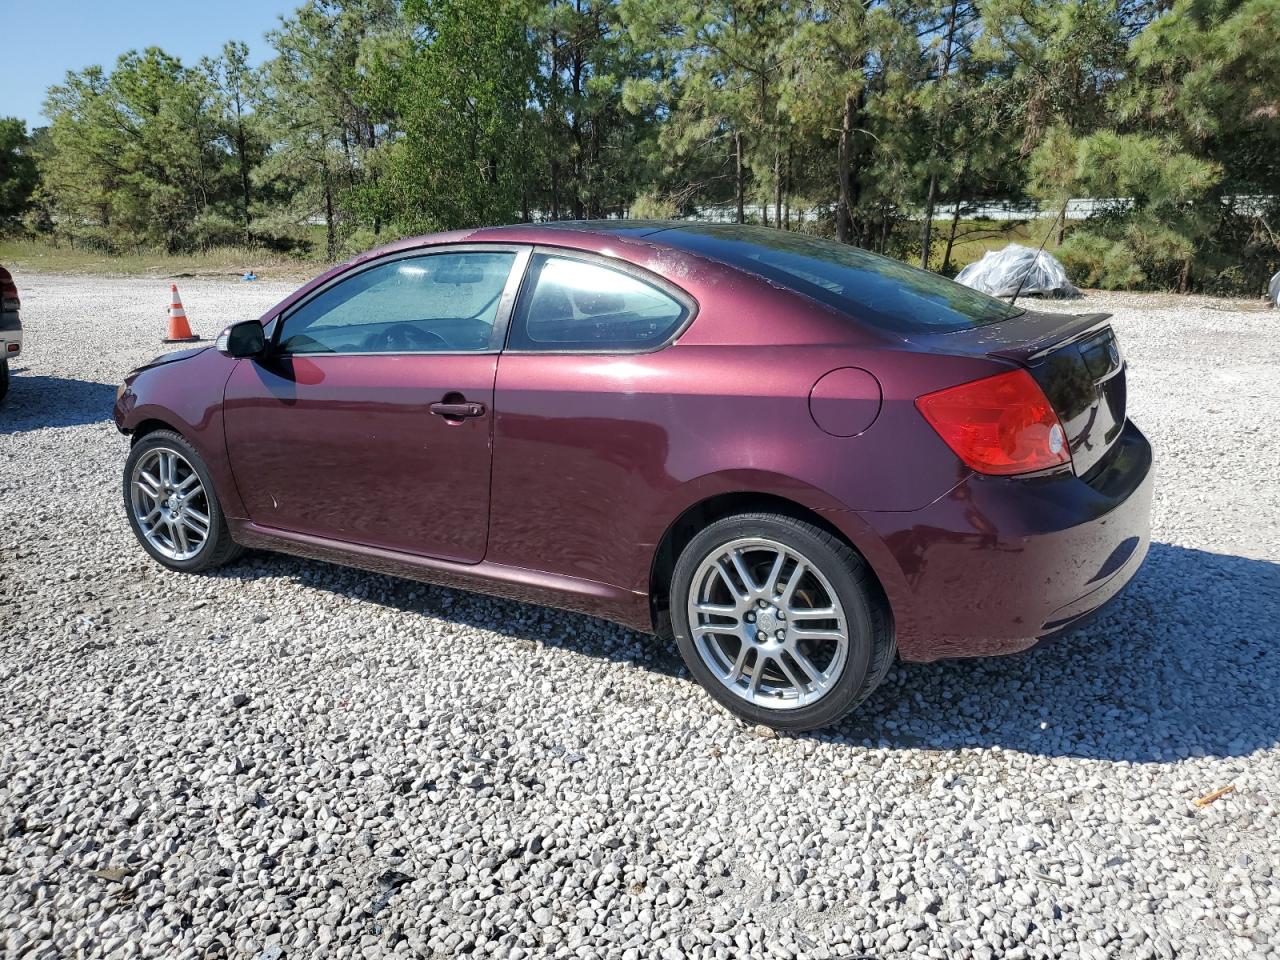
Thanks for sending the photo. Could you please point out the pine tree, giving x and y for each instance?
(18, 174)
(720, 101)
(329, 111)
(463, 89)
(135, 157)
(237, 97)
(594, 152)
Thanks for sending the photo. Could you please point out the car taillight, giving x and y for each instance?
(1000, 425)
(8, 292)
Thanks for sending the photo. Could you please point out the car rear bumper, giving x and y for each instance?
(1000, 563)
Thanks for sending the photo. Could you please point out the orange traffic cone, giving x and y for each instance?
(179, 329)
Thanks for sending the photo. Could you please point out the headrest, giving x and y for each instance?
(593, 303)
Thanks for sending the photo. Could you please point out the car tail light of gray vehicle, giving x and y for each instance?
(9, 301)
(10, 323)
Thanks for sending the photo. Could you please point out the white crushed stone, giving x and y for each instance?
(289, 759)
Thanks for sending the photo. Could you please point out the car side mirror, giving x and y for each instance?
(243, 339)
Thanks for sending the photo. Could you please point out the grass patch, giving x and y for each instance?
(976, 237)
(42, 256)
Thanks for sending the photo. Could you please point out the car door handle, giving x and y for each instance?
(457, 411)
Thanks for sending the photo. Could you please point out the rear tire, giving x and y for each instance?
(782, 622)
(172, 506)
(4, 378)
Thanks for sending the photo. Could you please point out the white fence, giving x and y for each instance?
(1080, 208)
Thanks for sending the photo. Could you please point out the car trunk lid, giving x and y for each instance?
(1076, 360)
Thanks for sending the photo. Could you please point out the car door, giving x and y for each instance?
(369, 419)
(586, 399)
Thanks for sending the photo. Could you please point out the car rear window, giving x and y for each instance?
(572, 304)
(878, 290)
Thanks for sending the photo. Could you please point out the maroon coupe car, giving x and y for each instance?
(794, 457)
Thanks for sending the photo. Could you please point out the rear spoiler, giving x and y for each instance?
(1065, 329)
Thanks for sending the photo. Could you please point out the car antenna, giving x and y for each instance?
(1026, 273)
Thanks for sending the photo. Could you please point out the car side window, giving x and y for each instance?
(438, 303)
(571, 304)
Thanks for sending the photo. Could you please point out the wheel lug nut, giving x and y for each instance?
(751, 618)
(781, 634)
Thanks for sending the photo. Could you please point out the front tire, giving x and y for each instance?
(172, 507)
(782, 622)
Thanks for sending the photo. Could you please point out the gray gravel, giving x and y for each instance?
(289, 759)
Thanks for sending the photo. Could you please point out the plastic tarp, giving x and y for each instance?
(1273, 289)
(1000, 272)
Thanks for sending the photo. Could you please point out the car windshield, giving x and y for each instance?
(883, 292)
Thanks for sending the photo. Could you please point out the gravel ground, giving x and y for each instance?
(289, 759)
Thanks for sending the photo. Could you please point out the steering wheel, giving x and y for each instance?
(403, 336)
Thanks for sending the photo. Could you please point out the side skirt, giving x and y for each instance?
(589, 597)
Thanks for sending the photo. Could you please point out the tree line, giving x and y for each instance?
(861, 119)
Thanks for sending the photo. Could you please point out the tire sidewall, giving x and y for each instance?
(165, 439)
(846, 692)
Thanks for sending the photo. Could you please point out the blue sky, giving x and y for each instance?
(43, 39)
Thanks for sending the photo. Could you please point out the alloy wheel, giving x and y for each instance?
(170, 504)
(768, 624)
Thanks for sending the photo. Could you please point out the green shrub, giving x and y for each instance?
(1092, 260)
(357, 240)
(653, 205)
(209, 230)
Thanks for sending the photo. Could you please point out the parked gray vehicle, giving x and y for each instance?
(10, 327)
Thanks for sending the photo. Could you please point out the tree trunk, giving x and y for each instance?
(777, 188)
(575, 126)
(926, 231)
(860, 226)
(1062, 222)
(241, 145)
(786, 195)
(738, 183)
(951, 237)
(595, 208)
(551, 119)
(330, 234)
(1184, 278)
(555, 189)
(844, 207)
